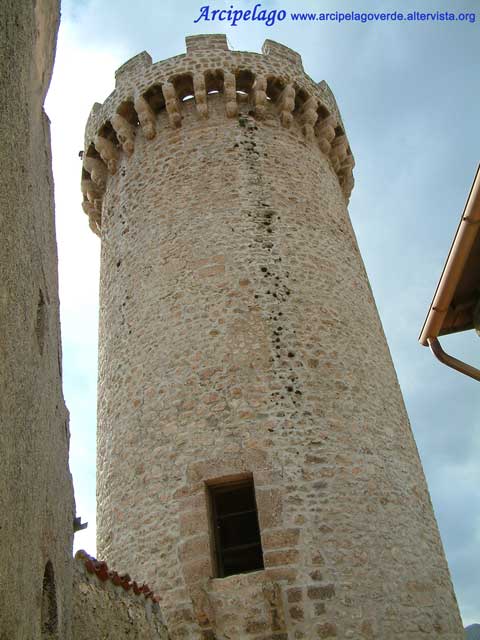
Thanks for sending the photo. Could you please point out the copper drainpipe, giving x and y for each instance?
(452, 272)
(452, 362)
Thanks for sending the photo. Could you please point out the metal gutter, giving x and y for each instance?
(462, 244)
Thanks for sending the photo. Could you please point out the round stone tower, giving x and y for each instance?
(255, 460)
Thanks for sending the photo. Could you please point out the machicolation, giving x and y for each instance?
(154, 97)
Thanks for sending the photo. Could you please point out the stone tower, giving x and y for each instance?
(255, 460)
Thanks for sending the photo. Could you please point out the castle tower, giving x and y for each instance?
(255, 460)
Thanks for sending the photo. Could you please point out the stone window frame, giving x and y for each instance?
(216, 488)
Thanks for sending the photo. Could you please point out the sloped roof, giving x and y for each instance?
(458, 290)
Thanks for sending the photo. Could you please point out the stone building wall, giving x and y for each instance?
(239, 335)
(107, 605)
(36, 496)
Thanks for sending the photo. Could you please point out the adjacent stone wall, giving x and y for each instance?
(106, 605)
(238, 334)
(36, 497)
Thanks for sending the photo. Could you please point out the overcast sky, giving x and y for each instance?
(409, 94)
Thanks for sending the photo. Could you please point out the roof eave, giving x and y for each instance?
(452, 272)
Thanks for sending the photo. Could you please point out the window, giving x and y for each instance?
(49, 605)
(238, 548)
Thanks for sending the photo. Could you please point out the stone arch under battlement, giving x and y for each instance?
(252, 86)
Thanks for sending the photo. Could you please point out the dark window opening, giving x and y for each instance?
(274, 89)
(214, 82)
(244, 81)
(154, 97)
(183, 86)
(127, 111)
(49, 605)
(238, 547)
(108, 132)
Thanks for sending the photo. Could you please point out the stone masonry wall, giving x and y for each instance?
(238, 334)
(108, 606)
(36, 495)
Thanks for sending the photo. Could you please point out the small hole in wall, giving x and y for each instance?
(41, 321)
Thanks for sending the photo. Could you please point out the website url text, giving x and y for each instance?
(235, 17)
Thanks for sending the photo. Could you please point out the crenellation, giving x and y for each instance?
(267, 82)
(273, 49)
(206, 42)
(136, 65)
(164, 71)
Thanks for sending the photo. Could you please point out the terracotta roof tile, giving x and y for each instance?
(103, 573)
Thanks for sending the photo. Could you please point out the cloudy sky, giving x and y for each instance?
(409, 95)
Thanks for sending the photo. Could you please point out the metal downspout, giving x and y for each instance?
(452, 362)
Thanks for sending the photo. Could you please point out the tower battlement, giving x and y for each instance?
(150, 99)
